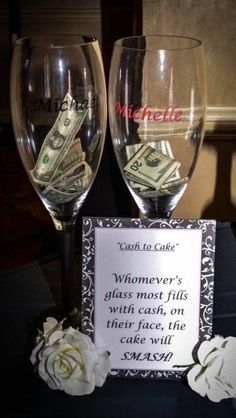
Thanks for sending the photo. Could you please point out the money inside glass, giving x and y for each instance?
(151, 168)
(61, 167)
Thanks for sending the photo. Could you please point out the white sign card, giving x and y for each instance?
(148, 291)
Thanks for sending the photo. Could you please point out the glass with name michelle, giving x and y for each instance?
(58, 104)
(157, 102)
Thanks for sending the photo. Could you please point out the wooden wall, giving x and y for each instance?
(26, 17)
(104, 19)
(70, 16)
(212, 190)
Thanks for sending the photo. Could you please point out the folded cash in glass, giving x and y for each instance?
(72, 177)
(152, 170)
(61, 167)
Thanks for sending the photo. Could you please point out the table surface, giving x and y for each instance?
(28, 292)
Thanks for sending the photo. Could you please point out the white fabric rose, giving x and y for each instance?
(68, 360)
(215, 374)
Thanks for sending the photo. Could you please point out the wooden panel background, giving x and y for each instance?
(71, 16)
(29, 17)
(212, 189)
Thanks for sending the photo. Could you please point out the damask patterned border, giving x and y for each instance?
(208, 228)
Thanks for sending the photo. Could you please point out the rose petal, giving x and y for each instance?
(55, 336)
(49, 325)
(46, 372)
(79, 340)
(216, 395)
(230, 348)
(212, 356)
(89, 358)
(73, 355)
(79, 387)
(216, 383)
(49, 349)
(102, 368)
(208, 347)
(228, 375)
(78, 335)
(35, 355)
(197, 380)
(214, 367)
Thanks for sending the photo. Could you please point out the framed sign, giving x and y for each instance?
(147, 291)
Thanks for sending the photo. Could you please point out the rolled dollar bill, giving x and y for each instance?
(58, 197)
(57, 142)
(72, 158)
(172, 184)
(139, 182)
(75, 178)
(138, 186)
(78, 168)
(168, 188)
(154, 193)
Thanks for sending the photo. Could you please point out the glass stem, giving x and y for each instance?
(66, 250)
(160, 214)
(164, 214)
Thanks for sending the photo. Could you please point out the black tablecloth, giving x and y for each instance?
(27, 292)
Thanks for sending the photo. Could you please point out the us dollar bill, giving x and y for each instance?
(73, 157)
(171, 185)
(163, 146)
(59, 197)
(57, 142)
(72, 176)
(138, 183)
(169, 188)
(70, 185)
(75, 178)
(151, 166)
(132, 149)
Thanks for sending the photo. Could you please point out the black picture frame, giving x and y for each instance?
(208, 229)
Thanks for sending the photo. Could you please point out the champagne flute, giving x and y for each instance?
(157, 102)
(58, 104)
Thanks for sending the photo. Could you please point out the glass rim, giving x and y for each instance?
(40, 40)
(194, 42)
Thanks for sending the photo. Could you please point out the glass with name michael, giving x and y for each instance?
(59, 112)
(157, 104)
